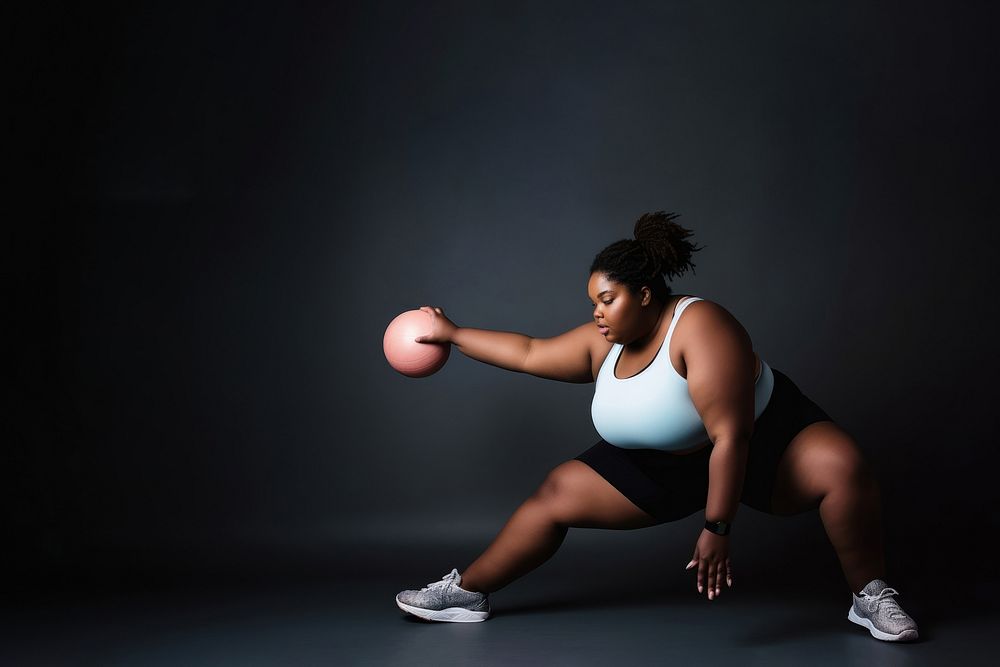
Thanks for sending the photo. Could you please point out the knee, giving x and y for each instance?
(561, 492)
(557, 484)
(850, 469)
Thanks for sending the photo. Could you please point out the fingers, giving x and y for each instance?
(695, 561)
(712, 587)
(430, 311)
(711, 574)
(710, 577)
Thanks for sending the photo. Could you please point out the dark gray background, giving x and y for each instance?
(219, 210)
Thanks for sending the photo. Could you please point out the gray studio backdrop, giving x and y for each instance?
(812, 153)
(476, 157)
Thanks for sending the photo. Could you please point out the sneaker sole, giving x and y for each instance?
(451, 614)
(905, 635)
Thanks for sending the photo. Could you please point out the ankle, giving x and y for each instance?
(469, 589)
(859, 585)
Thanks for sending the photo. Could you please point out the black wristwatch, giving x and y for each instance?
(718, 527)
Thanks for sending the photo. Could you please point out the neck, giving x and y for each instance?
(647, 338)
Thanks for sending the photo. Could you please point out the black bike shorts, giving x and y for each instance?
(672, 486)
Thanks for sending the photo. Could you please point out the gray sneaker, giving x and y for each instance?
(876, 610)
(445, 601)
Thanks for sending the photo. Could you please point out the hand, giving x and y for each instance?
(711, 555)
(442, 329)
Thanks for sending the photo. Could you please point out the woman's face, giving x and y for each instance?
(618, 309)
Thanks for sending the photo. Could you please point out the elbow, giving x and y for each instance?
(741, 439)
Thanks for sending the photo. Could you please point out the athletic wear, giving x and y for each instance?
(444, 601)
(876, 610)
(672, 486)
(653, 409)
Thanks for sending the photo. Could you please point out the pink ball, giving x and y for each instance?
(406, 355)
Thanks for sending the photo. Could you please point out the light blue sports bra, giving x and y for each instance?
(653, 410)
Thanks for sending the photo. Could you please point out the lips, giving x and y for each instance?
(602, 329)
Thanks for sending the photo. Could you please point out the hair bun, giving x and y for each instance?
(665, 241)
(660, 247)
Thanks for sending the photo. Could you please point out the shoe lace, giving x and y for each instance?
(885, 597)
(445, 581)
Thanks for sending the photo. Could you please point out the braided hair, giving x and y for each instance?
(660, 247)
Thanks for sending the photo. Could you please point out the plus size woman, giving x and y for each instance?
(691, 420)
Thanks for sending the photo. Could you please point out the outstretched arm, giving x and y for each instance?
(503, 349)
(566, 357)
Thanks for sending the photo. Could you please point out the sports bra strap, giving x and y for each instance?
(680, 309)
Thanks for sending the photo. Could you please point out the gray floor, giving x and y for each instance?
(588, 605)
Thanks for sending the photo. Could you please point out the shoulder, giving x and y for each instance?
(704, 321)
(599, 345)
(596, 343)
(705, 312)
(589, 336)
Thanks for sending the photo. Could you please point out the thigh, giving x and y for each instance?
(665, 486)
(576, 495)
(821, 456)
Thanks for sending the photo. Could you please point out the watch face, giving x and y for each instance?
(717, 527)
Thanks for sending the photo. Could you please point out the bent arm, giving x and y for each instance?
(503, 349)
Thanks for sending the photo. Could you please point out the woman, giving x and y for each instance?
(690, 419)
